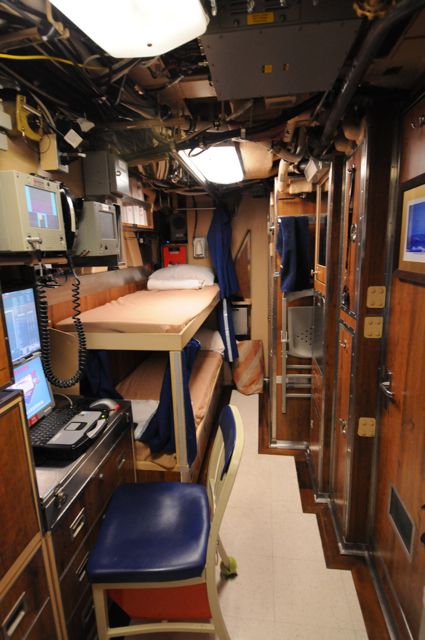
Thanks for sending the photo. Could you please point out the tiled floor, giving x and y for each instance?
(283, 590)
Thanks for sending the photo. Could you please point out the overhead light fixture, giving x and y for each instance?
(137, 28)
(220, 164)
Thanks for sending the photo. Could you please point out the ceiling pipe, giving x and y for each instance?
(368, 51)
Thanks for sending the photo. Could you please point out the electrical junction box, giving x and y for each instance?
(105, 174)
(279, 49)
(97, 231)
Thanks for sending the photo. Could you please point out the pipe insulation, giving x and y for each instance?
(374, 39)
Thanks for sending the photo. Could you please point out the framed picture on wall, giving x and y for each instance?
(412, 240)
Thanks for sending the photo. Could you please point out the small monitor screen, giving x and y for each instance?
(30, 378)
(42, 209)
(21, 323)
(107, 226)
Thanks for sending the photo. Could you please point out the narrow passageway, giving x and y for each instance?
(283, 590)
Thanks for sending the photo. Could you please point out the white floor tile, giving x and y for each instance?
(249, 630)
(296, 535)
(247, 531)
(250, 595)
(306, 592)
(284, 631)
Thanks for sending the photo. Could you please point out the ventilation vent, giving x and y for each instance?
(401, 520)
(240, 6)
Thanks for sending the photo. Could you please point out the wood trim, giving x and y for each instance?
(93, 283)
(56, 591)
(408, 276)
(20, 563)
(52, 591)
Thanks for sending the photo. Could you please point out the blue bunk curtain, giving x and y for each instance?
(159, 434)
(292, 243)
(97, 381)
(219, 242)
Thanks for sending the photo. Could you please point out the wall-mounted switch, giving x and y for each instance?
(200, 247)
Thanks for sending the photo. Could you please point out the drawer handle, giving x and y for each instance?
(15, 617)
(343, 344)
(80, 572)
(77, 525)
(121, 463)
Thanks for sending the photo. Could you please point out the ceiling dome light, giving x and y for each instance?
(137, 28)
(220, 164)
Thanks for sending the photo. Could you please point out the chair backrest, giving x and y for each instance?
(222, 468)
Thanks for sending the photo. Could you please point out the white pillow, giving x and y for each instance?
(210, 340)
(184, 272)
(163, 285)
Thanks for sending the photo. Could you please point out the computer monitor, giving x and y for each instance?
(31, 216)
(30, 378)
(21, 323)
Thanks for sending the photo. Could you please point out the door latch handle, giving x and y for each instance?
(385, 388)
(343, 425)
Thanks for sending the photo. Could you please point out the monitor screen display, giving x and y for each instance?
(107, 227)
(42, 209)
(21, 323)
(30, 378)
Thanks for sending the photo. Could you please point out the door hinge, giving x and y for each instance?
(366, 428)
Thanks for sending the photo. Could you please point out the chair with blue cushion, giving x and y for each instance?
(156, 550)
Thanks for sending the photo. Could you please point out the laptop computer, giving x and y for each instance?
(55, 433)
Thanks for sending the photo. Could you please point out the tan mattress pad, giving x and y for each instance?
(145, 382)
(146, 311)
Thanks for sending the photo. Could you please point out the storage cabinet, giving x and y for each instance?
(361, 268)
(74, 534)
(25, 601)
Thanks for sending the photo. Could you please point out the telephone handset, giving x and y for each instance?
(69, 217)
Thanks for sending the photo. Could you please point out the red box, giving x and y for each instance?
(174, 254)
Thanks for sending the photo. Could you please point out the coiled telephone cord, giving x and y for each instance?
(46, 351)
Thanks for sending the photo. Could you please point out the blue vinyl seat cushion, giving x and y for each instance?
(152, 532)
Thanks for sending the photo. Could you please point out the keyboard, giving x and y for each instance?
(44, 430)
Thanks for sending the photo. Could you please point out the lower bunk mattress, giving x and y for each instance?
(145, 382)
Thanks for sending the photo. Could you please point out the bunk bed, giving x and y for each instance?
(159, 321)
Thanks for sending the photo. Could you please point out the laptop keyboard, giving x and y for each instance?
(44, 430)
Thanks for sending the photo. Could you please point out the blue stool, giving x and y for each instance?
(155, 553)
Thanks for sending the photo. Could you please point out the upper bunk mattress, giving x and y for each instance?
(146, 311)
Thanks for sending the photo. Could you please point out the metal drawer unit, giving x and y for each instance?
(73, 499)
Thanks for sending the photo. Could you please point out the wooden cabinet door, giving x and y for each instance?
(18, 511)
(401, 458)
(341, 428)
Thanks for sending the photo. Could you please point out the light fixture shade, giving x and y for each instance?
(219, 164)
(137, 28)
